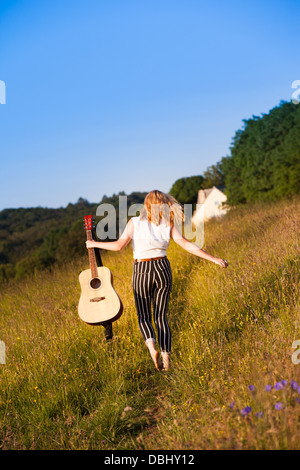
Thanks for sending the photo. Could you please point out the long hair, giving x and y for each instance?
(161, 207)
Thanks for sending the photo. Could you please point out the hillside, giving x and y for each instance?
(65, 387)
(36, 238)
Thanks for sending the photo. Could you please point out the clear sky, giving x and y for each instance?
(110, 95)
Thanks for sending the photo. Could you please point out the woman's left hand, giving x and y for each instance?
(90, 244)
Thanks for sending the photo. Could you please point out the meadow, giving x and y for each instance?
(233, 383)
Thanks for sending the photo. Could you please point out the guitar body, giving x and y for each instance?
(99, 303)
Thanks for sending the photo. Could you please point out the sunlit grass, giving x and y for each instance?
(65, 387)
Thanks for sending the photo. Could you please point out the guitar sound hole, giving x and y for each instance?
(95, 283)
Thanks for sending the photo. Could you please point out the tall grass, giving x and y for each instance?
(65, 387)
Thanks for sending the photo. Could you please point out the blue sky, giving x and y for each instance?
(110, 95)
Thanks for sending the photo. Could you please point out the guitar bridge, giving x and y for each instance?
(97, 299)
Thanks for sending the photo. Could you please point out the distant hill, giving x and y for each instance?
(36, 238)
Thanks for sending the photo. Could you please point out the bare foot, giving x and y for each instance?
(166, 361)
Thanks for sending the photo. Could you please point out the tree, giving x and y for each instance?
(185, 190)
(264, 163)
(213, 176)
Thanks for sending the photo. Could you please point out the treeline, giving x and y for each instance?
(36, 238)
(185, 190)
(263, 164)
(265, 157)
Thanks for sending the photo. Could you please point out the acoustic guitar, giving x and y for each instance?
(99, 304)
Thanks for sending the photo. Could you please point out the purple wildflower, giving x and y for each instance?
(298, 400)
(232, 404)
(294, 385)
(251, 387)
(246, 410)
(259, 414)
(279, 406)
(284, 382)
(278, 386)
(269, 388)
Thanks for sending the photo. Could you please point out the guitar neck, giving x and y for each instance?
(92, 256)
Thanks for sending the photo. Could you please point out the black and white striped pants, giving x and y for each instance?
(152, 284)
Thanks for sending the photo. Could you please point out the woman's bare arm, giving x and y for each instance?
(194, 249)
(117, 245)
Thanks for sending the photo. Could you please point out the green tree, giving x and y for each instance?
(213, 176)
(264, 163)
(185, 190)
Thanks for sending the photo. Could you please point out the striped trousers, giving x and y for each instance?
(152, 284)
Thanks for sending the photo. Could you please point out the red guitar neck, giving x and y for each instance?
(88, 220)
(92, 257)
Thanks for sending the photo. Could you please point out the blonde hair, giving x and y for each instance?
(161, 207)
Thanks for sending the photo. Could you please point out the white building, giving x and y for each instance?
(209, 204)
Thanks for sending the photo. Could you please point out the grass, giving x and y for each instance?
(65, 387)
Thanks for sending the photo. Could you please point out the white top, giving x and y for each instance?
(149, 240)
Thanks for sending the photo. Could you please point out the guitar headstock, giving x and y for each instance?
(88, 222)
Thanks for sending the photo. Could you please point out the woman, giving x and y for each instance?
(150, 234)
